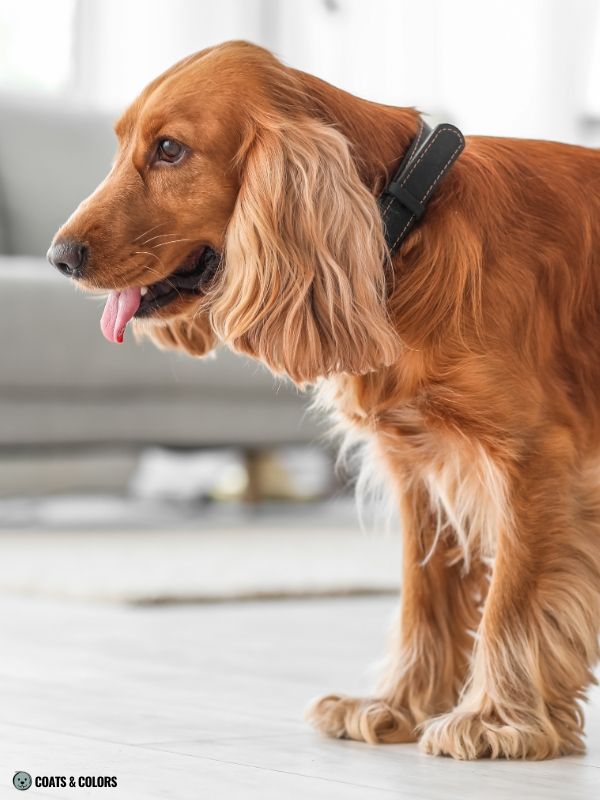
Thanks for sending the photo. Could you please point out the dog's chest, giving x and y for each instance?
(466, 487)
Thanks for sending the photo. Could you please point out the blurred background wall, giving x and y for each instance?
(505, 67)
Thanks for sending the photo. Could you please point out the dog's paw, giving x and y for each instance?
(470, 735)
(366, 720)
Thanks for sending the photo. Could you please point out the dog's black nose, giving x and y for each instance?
(68, 257)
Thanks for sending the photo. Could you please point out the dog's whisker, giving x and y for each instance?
(148, 268)
(174, 241)
(145, 233)
(158, 236)
(152, 255)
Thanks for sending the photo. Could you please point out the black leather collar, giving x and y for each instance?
(404, 200)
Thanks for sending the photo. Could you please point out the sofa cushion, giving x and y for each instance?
(62, 383)
(51, 337)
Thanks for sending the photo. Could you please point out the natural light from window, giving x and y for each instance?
(36, 45)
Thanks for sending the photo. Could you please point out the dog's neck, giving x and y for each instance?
(380, 135)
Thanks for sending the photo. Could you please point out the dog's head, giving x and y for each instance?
(234, 213)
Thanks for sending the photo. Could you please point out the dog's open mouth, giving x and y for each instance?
(191, 278)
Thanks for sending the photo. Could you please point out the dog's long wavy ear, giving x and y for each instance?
(303, 285)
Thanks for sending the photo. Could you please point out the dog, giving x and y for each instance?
(242, 209)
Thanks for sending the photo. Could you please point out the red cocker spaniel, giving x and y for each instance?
(242, 208)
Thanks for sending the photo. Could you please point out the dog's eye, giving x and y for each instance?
(169, 150)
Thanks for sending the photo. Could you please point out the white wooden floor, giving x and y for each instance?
(206, 701)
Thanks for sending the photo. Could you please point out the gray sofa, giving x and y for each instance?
(61, 383)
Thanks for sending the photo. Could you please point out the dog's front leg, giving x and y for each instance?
(538, 636)
(431, 644)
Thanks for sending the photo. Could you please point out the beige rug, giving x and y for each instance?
(237, 562)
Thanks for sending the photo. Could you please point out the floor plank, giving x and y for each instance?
(206, 701)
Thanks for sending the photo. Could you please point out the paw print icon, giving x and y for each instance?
(21, 781)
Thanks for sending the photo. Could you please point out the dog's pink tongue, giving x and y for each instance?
(119, 309)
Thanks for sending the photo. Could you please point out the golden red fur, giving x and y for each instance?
(469, 366)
